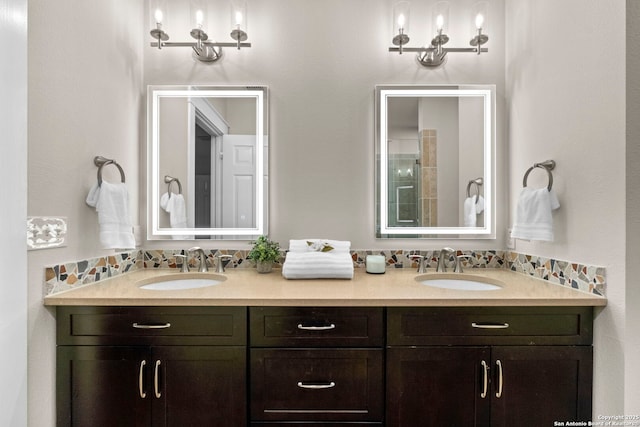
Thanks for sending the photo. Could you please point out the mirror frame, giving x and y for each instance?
(154, 95)
(487, 93)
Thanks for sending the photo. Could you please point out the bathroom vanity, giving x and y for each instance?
(395, 353)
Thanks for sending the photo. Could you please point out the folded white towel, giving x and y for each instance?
(533, 214)
(302, 245)
(176, 207)
(317, 265)
(472, 210)
(112, 204)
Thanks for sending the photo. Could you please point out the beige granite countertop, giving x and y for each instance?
(397, 287)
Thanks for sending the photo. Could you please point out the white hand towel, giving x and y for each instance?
(533, 214)
(317, 265)
(302, 245)
(176, 207)
(472, 210)
(112, 204)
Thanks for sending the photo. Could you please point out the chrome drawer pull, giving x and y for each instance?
(316, 386)
(156, 388)
(490, 325)
(141, 380)
(316, 328)
(485, 379)
(499, 392)
(143, 326)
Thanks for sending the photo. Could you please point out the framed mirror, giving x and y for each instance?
(435, 150)
(207, 162)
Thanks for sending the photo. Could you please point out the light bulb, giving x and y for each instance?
(199, 18)
(158, 16)
(439, 22)
(401, 20)
(238, 18)
(479, 21)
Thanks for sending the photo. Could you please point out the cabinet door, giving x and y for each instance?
(438, 386)
(538, 385)
(103, 386)
(199, 386)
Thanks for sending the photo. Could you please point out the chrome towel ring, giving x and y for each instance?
(478, 182)
(170, 180)
(547, 165)
(100, 162)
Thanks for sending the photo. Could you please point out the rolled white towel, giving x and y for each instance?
(302, 245)
(317, 265)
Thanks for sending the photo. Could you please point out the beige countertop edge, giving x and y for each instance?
(393, 289)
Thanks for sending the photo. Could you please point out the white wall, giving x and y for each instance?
(85, 99)
(321, 61)
(567, 106)
(13, 193)
(632, 295)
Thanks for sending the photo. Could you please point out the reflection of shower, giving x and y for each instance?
(404, 189)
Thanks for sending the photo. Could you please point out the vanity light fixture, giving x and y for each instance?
(435, 54)
(204, 49)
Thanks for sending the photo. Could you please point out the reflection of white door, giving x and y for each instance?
(239, 181)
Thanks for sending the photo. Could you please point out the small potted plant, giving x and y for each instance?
(264, 253)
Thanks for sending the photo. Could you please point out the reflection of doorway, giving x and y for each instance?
(222, 172)
(203, 172)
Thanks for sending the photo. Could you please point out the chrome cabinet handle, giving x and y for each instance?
(141, 380)
(316, 386)
(316, 328)
(485, 379)
(490, 325)
(156, 389)
(143, 326)
(499, 392)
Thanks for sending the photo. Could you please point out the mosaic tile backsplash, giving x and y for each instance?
(71, 275)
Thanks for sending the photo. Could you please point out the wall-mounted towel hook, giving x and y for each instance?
(100, 162)
(547, 165)
(477, 182)
(170, 180)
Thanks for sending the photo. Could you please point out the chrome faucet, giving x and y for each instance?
(202, 267)
(422, 263)
(220, 264)
(458, 265)
(185, 263)
(442, 265)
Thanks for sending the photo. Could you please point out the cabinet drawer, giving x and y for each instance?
(316, 327)
(316, 384)
(490, 325)
(151, 325)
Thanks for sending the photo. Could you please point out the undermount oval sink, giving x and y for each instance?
(460, 282)
(177, 282)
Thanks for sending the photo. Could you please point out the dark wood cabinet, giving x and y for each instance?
(480, 384)
(171, 385)
(323, 366)
(98, 386)
(437, 386)
(317, 364)
(541, 384)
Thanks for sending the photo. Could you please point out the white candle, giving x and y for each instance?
(375, 264)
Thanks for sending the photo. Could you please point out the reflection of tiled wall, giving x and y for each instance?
(579, 276)
(429, 172)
